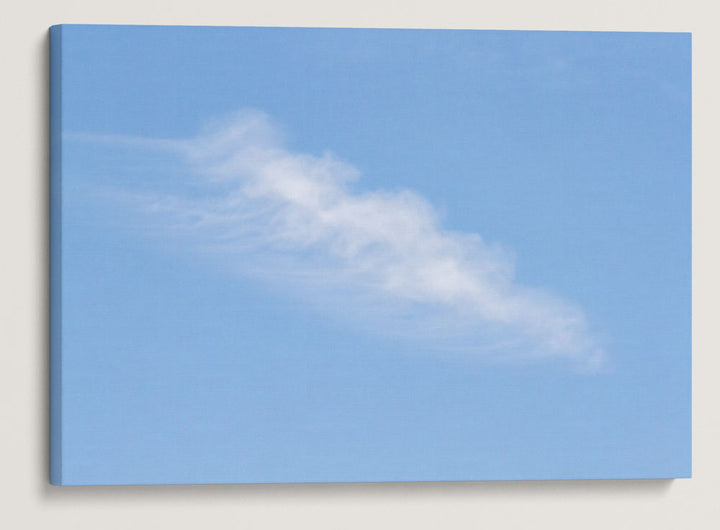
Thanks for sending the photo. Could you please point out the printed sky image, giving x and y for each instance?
(307, 255)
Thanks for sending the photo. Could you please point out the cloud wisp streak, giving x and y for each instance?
(297, 221)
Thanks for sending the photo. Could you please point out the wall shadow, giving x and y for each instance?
(647, 488)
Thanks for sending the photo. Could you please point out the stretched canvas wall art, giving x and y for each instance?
(339, 255)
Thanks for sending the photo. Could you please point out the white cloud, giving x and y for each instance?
(381, 257)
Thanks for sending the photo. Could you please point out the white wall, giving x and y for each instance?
(26, 499)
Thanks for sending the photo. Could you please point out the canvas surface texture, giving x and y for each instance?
(364, 255)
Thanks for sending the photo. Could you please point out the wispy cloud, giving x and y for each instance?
(297, 221)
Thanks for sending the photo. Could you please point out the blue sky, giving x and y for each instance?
(518, 308)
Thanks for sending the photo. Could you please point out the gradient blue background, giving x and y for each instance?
(572, 149)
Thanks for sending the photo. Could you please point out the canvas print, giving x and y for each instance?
(342, 255)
